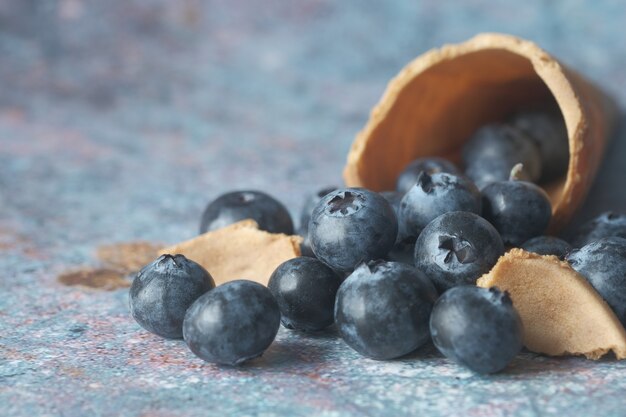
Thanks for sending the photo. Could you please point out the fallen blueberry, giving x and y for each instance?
(603, 263)
(457, 248)
(477, 327)
(495, 149)
(432, 196)
(309, 205)
(350, 226)
(305, 217)
(234, 322)
(162, 292)
(403, 251)
(549, 133)
(235, 206)
(305, 290)
(432, 165)
(382, 309)
(394, 198)
(547, 245)
(519, 210)
(607, 224)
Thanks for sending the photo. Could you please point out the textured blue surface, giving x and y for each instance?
(120, 119)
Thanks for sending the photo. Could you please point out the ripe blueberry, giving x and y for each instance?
(603, 263)
(607, 224)
(549, 133)
(382, 309)
(457, 248)
(519, 210)
(477, 327)
(432, 165)
(394, 198)
(432, 196)
(352, 225)
(305, 217)
(235, 206)
(309, 205)
(162, 292)
(305, 290)
(548, 245)
(495, 149)
(234, 322)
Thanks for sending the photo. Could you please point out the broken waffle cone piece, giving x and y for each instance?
(239, 251)
(561, 312)
(442, 97)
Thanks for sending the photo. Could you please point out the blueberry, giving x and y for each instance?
(350, 226)
(432, 165)
(309, 205)
(382, 309)
(548, 245)
(603, 263)
(519, 210)
(495, 149)
(234, 322)
(305, 217)
(305, 290)
(457, 248)
(403, 251)
(394, 198)
(230, 208)
(477, 327)
(162, 292)
(549, 133)
(434, 195)
(607, 224)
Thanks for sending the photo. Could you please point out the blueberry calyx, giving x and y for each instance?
(166, 258)
(346, 203)
(425, 182)
(246, 197)
(457, 247)
(376, 265)
(502, 296)
(518, 173)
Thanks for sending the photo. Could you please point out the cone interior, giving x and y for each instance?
(436, 112)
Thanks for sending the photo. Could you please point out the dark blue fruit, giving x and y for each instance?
(548, 245)
(549, 133)
(350, 226)
(394, 198)
(477, 327)
(232, 207)
(162, 292)
(234, 322)
(403, 251)
(309, 205)
(305, 216)
(603, 263)
(432, 165)
(519, 210)
(495, 149)
(457, 248)
(382, 309)
(607, 224)
(432, 196)
(305, 290)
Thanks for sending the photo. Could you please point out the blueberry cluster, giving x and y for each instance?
(393, 270)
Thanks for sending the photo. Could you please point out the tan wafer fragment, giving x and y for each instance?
(239, 251)
(439, 99)
(561, 312)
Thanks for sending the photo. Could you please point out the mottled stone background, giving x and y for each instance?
(120, 119)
